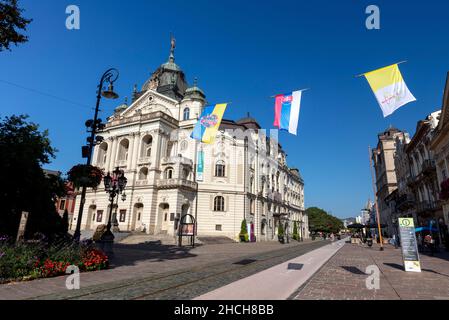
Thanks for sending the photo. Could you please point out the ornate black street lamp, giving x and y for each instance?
(93, 126)
(114, 185)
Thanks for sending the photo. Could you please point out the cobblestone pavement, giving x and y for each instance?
(343, 277)
(155, 271)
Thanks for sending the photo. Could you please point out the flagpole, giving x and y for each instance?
(195, 232)
(375, 199)
(362, 74)
(294, 90)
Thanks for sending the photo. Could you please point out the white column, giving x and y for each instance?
(130, 153)
(109, 153)
(136, 151)
(159, 144)
(113, 154)
(94, 155)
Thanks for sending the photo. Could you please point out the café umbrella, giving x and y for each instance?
(356, 226)
(374, 225)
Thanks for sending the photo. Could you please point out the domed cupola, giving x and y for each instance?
(195, 92)
(168, 79)
(121, 107)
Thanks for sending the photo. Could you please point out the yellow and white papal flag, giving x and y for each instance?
(389, 88)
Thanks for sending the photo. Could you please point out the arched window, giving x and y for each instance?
(263, 227)
(186, 115)
(169, 173)
(220, 169)
(123, 150)
(147, 142)
(143, 174)
(185, 173)
(168, 151)
(219, 203)
(102, 153)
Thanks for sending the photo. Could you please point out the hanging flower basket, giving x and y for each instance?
(444, 194)
(85, 175)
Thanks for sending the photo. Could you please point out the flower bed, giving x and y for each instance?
(32, 260)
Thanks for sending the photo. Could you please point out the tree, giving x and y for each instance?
(321, 221)
(280, 230)
(11, 23)
(244, 237)
(25, 186)
(295, 235)
(65, 222)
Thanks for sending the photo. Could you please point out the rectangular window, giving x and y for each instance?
(172, 216)
(218, 227)
(122, 215)
(99, 215)
(62, 204)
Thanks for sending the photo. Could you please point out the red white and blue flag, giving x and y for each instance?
(286, 111)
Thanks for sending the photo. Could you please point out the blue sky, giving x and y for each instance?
(244, 52)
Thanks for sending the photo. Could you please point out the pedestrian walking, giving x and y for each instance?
(429, 241)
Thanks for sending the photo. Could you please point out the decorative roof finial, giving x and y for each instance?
(172, 48)
(126, 100)
(195, 82)
(135, 88)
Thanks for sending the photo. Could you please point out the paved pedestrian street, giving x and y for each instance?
(155, 271)
(343, 277)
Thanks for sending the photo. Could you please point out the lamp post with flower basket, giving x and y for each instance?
(93, 126)
(115, 185)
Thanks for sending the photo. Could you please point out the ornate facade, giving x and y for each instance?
(386, 182)
(440, 147)
(244, 176)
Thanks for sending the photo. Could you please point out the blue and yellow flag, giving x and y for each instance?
(207, 126)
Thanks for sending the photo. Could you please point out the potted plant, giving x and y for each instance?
(244, 232)
(281, 233)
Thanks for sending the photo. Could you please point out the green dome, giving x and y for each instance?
(195, 92)
(122, 107)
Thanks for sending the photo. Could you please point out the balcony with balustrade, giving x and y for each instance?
(144, 161)
(405, 202)
(176, 183)
(140, 183)
(177, 160)
(121, 163)
(428, 167)
(426, 207)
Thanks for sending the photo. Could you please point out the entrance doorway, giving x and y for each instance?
(136, 221)
(90, 216)
(164, 216)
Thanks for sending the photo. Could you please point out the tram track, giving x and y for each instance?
(212, 272)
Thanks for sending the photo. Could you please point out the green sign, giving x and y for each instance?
(200, 166)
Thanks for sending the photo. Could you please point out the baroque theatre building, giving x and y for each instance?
(242, 175)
